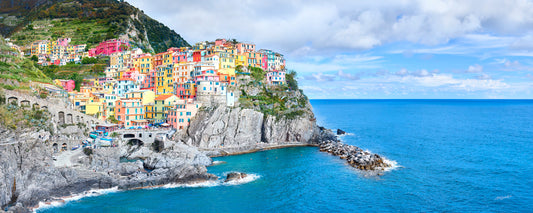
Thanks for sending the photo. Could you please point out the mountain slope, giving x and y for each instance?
(85, 21)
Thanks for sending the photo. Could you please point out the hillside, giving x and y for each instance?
(85, 21)
(16, 72)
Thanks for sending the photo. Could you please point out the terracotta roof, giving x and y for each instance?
(126, 79)
(163, 97)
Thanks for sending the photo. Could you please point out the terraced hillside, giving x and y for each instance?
(85, 21)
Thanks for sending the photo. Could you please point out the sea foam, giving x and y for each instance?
(63, 200)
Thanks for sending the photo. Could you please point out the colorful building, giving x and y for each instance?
(180, 115)
(161, 106)
(109, 47)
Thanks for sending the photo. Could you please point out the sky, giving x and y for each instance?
(398, 49)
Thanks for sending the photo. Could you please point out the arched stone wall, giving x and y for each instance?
(61, 117)
(13, 100)
(69, 119)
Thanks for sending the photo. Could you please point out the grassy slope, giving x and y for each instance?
(88, 32)
(22, 71)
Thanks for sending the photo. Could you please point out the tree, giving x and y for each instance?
(34, 58)
(290, 77)
(77, 81)
(89, 60)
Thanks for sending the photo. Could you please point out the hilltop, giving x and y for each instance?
(86, 22)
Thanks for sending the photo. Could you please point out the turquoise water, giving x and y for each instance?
(455, 156)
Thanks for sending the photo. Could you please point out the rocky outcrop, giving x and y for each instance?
(235, 130)
(355, 156)
(233, 176)
(340, 132)
(28, 174)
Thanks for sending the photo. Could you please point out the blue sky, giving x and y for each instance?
(377, 49)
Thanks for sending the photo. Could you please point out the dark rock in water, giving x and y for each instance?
(340, 132)
(235, 176)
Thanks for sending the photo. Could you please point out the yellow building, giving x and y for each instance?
(143, 63)
(164, 80)
(241, 60)
(146, 96)
(109, 105)
(161, 106)
(149, 111)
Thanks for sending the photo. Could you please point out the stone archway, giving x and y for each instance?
(36, 106)
(77, 119)
(64, 147)
(25, 103)
(13, 101)
(55, 148)
(61, 117)
(128, 136)
(135, 142)
(69, 119)
(44, 108)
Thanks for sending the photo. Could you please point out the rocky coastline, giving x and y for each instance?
(30, 172)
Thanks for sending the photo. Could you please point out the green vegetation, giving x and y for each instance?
(276, 101)
(90, 32)
(257, 73)
(89, 60)
(112, 119)
(20, 70)
(87, 151)
(17, 117)
(86, 22)
(290, 77)
(77, 72)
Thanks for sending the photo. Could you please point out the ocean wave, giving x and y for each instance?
(219, 182)
(393, 165)
(190, 185)
(503, 197)
(217, 162)
(63, 200)
(345, 134)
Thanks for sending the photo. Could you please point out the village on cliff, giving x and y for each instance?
(166, 89)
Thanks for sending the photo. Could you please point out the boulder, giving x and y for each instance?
(235, 176)
(340, 132)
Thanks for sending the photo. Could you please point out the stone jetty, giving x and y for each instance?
(355, 156)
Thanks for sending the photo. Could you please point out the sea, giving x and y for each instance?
(449, 156)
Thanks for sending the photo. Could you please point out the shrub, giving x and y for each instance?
(87, 151)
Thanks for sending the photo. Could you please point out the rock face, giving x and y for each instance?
(340, 132)
(28, 174)
(355, 156)
(239, 130)
(235, 176)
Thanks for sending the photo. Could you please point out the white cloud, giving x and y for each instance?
(475, 68)
(338, 24)
(348, 76)
(319, 77)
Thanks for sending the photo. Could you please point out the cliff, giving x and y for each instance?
(265, 117)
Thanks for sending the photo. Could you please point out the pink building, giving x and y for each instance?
(264, 62)
(179, 116)
(68, 85)
(245, 48)
(220, 42)
(276, 77)
(109, 47)
(148, 83)
(178, 57)
(63, 41)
